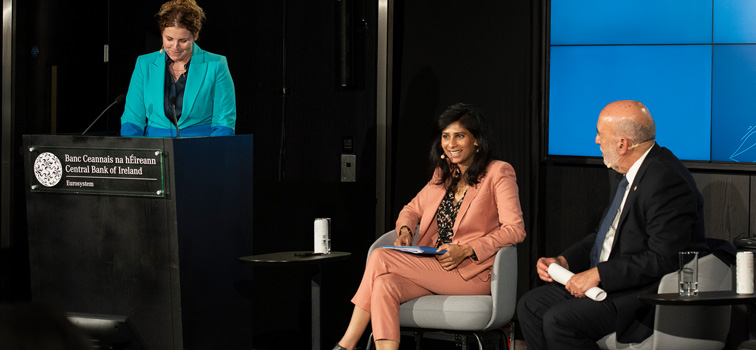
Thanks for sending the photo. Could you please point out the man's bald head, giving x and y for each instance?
(631, 120)
(623, 132)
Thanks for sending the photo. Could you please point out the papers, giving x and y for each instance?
(562, 275)
(415, 249)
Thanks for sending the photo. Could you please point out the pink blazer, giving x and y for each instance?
(489, 218)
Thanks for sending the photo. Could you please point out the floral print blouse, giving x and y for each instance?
(447, 212)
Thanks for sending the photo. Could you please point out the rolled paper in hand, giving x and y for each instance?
(562, 275)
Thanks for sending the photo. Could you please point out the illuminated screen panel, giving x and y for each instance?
(734, 21)
(692, 62)
(596, 22)
(673, 81)
(734, 103)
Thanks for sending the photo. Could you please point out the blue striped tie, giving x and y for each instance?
(607, 222)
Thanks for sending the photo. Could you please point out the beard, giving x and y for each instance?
(611, 157)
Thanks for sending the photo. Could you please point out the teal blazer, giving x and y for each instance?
(209, 98)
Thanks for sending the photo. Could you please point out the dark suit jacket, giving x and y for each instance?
(663, 214)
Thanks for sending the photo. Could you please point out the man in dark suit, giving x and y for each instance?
(657, 212)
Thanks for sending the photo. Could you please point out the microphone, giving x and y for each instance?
(174, 119)
(118, 100)
(612, 164)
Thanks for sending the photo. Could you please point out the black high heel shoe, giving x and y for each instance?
(338, 347)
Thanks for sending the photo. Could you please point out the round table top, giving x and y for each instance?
(712, 298)
(295, 257)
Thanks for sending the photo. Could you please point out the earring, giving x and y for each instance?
(442, 156)
(476, 148)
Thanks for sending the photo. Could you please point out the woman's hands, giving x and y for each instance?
(404, 238)
(455, 254)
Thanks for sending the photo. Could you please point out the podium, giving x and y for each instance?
(146, 228)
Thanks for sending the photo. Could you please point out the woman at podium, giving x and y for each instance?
(180, 90)
(467, 211)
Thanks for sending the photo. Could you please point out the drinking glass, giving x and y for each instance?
(687, 275)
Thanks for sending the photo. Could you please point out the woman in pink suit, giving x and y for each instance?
(470, 208)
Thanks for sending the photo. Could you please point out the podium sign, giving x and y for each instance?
(104, 171)
(146, 228)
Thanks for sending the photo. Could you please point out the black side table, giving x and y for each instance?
(712, 298)
(303, 258)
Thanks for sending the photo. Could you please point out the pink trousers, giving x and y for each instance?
(393, 277)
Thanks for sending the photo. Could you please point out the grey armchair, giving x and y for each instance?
(687, 327)
(454, 317)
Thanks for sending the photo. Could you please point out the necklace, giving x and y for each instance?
(178, 70)
(460, 191)
(177, 73)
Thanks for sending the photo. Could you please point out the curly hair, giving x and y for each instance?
(472, 119)
(181, 14)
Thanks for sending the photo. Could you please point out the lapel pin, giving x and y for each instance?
(635, 188)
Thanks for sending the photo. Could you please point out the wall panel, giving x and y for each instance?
(726, 208)
(576, 197)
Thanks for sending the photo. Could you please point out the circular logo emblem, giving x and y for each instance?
(47, 169)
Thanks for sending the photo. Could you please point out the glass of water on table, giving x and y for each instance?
(687, 275)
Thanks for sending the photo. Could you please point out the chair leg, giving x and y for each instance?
(480, 343)
(510, 334)
(369, 342)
